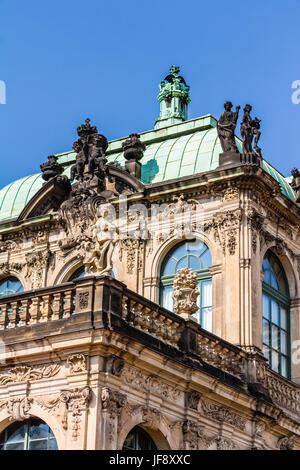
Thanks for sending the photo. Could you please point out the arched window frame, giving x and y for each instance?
(203, 276)
(24, 443)
(275, 303)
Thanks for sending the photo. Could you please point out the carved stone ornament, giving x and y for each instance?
(17, 408)
(192, 433)
(112, 401)
(286, 443)
(186, 292)
(226, 229)
(28, 373)
(192, 399)
(114, 365)
(83, 299)
(75, 401)
(77, 363)
(223, 414)
(150, 383)
(7, 268)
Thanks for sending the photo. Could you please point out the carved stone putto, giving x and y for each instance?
(186, 292)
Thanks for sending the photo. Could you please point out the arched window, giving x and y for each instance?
(10, 285)
(32, 434)
(138, 439)
(194, 255)
(77, 274)
(276, 321)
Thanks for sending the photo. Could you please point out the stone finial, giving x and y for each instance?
(133, 153)
(51, 168)
(185, 293)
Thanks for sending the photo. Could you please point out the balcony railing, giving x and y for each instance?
(109, 304)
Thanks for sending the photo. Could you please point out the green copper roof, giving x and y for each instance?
(171, 152)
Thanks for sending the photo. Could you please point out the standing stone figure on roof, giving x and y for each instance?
(226, 127)
(250, 128)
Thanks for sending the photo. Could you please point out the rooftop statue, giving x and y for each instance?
(90, 149)
(250, 128)
(296, 183)
(226, 128)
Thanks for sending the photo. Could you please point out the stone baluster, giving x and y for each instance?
(46, 310)
(13, 314)
(67, 307)
(34, 310)
(57, 306)
(24, 312)
(3, 316)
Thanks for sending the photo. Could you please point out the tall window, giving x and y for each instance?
(276, 321)
(10, 285)
(138, 439)
(32, 434)
(194, 255)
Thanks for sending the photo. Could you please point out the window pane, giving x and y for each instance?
(284, 342)
(266, 307)
(38, 431)
(206, 315)
(283, 319)
(16, 433)
(38, 445)
(206, 260)
(266, 332)
(53, 444)
(194, 263)
(274, 282)
(206, 293)
(15, 446)
(275, 337)
(169, 267)
(183, 263)
(266, 353)
(275, 312)
(167, 301)
(275, 361)
(284, 367)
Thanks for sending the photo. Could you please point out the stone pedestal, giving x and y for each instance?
(229, 159)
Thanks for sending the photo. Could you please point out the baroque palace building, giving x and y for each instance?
(150, 291)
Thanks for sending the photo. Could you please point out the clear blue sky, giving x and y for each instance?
(65, 60)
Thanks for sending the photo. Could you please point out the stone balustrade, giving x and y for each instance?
(43, 305)
(107, 303)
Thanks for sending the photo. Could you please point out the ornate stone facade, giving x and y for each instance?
(97, 355)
